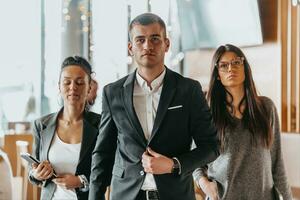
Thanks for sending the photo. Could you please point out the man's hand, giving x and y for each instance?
(156, 163)
(67, 181)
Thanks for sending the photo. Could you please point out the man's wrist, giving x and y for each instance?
(176, 169)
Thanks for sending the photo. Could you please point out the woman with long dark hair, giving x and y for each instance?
(250, 165)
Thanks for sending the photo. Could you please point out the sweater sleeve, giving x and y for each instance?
(278, 169)
(199, 173)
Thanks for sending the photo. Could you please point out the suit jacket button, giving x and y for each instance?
(142, 173)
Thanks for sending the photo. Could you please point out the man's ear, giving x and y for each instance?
(167, 41)
(130, 48)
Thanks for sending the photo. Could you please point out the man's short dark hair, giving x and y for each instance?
(146, 19)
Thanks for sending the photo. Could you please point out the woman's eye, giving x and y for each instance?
(236, 62)
(223, 65)
(80, 82)
(66, 82)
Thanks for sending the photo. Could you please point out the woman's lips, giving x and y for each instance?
(231, 76)
(73, 96)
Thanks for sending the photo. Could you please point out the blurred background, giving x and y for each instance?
(36, 35)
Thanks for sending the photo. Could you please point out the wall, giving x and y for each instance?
(290, 150)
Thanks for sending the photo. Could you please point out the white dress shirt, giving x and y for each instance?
(145, 102)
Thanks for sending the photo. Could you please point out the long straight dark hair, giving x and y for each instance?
(254, 116)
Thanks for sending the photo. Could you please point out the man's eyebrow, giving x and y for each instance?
(155, 35)
(142, 36)
(139, 36)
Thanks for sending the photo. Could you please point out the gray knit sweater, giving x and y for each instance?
(245, 171)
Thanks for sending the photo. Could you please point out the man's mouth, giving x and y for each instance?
(148, 54)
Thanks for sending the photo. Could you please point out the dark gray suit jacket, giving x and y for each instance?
(121, 142)
(44, 131)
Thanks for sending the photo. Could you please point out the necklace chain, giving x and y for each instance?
(66, 122)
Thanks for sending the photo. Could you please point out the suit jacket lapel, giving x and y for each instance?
(89, 136)
(47, 135)
(168, 91)
(128, 104)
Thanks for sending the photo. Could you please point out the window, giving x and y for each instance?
(20, 61)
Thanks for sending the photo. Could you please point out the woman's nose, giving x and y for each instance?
(73, 86)
(229, 67)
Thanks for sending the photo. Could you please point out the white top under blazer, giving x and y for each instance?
(64, 158)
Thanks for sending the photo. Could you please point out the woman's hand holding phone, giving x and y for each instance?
(42, 171)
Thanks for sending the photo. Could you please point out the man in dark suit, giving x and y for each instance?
(149, 120)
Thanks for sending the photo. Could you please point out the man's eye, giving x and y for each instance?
(155, 39)
(140, 40)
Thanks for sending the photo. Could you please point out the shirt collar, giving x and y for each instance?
(156, 83)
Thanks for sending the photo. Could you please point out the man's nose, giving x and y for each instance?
(148, 44)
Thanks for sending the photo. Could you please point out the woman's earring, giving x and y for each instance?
(87, 106)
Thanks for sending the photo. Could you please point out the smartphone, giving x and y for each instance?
(30, 159)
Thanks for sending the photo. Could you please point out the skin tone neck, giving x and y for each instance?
(150, 74)
(72, 113)
(237, 93)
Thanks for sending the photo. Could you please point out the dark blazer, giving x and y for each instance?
(121, 142)
(44, 131)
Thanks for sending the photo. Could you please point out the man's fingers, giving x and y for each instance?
(148, 170)
(153, 153)
(147, 159)
(147, 164)
(144, 155)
